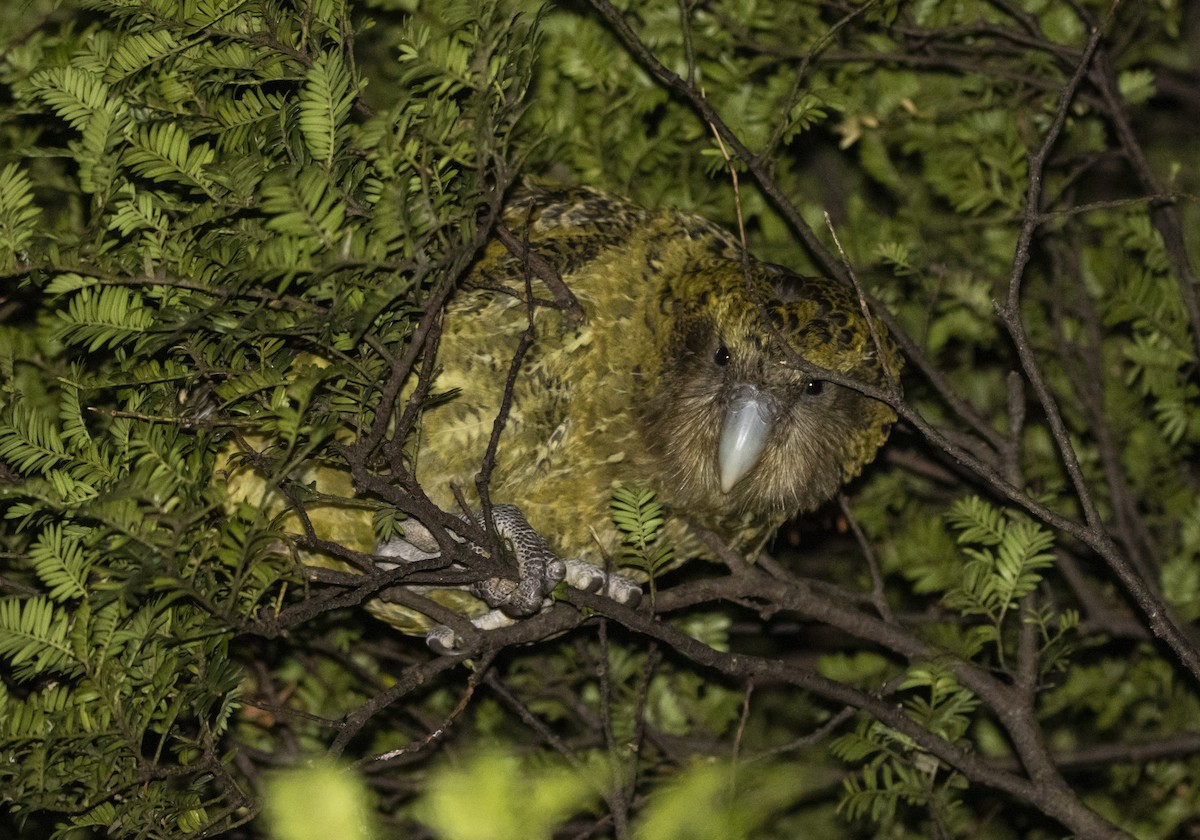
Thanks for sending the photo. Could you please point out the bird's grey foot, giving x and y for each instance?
(590, 578)
(538, 572)
(538, 569)
(579, 575)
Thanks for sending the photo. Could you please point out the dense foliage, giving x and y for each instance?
(226, 230)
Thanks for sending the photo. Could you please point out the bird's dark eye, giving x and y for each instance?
(721, 357)
(814, 387)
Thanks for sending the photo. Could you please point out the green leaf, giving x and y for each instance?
(325, 102)
(104, 316)
(61, 562)
(75, 95)
(34, 638)
(18, 215)
(304, 205)
(512, 800)
(164, 152)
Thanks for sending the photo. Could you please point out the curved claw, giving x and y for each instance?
(585, 576)
(443, 641)
(624, 591)
(591, 578)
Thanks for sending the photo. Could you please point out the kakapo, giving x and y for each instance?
(684, 376)
(695, 372)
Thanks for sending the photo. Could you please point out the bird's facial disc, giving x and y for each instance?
(745, 430)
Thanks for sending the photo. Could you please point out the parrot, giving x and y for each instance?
(695, 372)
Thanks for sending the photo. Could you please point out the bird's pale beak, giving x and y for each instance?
(744, 433)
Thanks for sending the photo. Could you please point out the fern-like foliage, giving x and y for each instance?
(892, 771)
(18, 216)
(639, 518)
(1006, 556)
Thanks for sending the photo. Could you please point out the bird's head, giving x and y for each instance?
(740, 419)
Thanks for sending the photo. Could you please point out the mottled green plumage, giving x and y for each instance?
(675, 318)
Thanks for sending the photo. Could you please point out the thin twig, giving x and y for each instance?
(545, 272)
(878, 592)
(733, 175)
(862, 301)
(434, 735)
